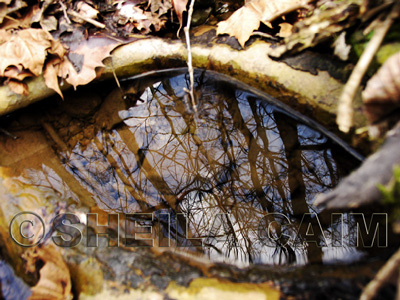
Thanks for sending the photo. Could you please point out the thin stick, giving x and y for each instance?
(345, 108)
(115, 75)
(189, 60)
(64, 9)
(89, 20)
(8, 133)
(383, 276)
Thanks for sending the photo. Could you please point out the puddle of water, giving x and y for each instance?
(12, 287)
(236, 185)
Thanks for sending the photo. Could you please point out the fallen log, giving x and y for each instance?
(361, 187)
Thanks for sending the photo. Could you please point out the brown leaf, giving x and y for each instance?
(22, 22)
(54, 282)
(83, 59)
(382, 93)
(240, 24)
(246, 19)
(286, 29)
(161, 6)
(86, 10)
(4, 36)
(50, 75)
(9, 7)
(18, 87)
(57, 49)
(49, 23)
(319, 27)
(26, 48)
(179, 7)
(342, 50)
(15, 73)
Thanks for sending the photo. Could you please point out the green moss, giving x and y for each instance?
(391, 194)
(387, 51)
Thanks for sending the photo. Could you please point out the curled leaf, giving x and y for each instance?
(382, 93)
(50, 75)
(18, 87)
(246, 19)
(179, 7)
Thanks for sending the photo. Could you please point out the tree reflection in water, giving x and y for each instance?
(244, 171)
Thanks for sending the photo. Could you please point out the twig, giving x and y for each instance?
(189, 60)
(345, 109)
(89, 20)
(265, 35)
(64, 9)
(8, 133)
(115, 75)
(383, 275)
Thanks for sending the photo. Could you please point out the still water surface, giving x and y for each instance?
(236, 183)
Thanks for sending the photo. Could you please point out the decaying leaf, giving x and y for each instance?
(241, 24)
(15, 73)
(54, 282)
(320, 26)
(286, 29)
(9, 7)
(83, 59)
(382, 93)
(179, 7)
(24, 54)
(18, 87)
(133, 17)
(24, 49)
(246, 19)
(86, 10)
(50, 75)
(342, 50)
(23, 22)
(49, 23)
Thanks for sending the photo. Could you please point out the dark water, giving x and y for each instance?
(236, 184)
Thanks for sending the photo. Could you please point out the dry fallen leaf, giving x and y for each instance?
(24, 54)
(15, 73)
(319, 27)
(55, 281)
(86, 10)
(240, 24)
(9, 7)
(50, 75)
(83, 59)
(23, 22)
(18, 87)
(6, 2)
(286, 29)
(25, 49)
(179, 7)
(382, 93)
(342, 50)
(246, 19)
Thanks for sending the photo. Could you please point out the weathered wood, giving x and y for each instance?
(360, 188)
(313, 94)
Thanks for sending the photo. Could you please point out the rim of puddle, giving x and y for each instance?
(284, 108)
